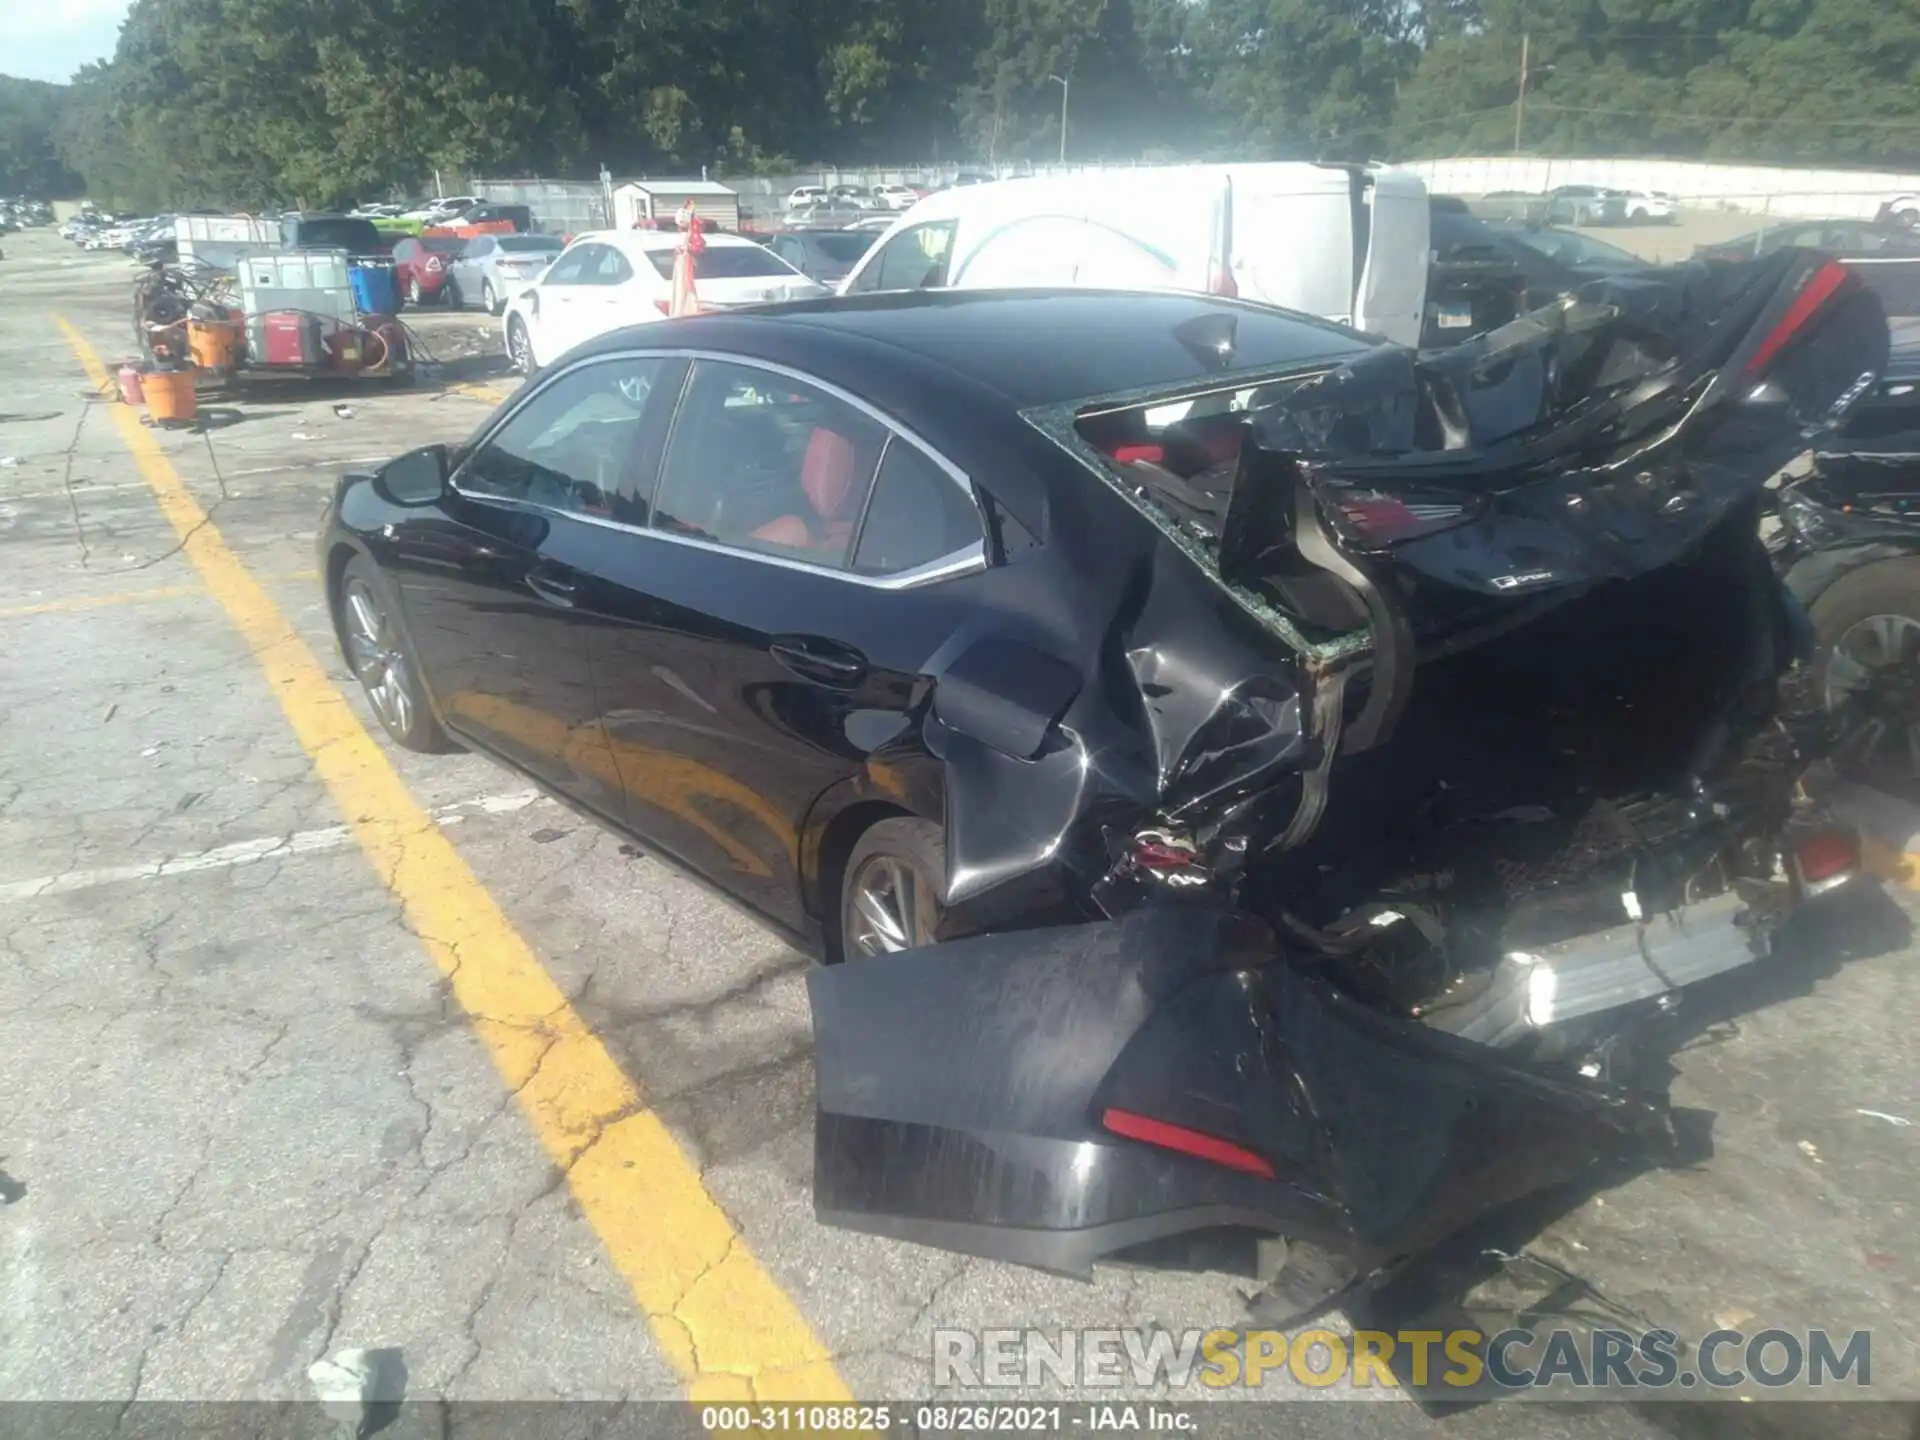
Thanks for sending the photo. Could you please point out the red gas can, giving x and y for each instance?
(291, 338)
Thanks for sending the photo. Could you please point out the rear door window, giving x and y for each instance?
(609, 267)
(571, 268)
(764, 462)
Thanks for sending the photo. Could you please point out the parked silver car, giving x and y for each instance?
(492, 269)
(1585, 205)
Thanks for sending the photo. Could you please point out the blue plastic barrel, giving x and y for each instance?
(372, 284)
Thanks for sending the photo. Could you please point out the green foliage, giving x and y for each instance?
(268, 102)
(30, 162)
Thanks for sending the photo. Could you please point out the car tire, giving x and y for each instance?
(1908, 218)
(1871, 691)
(415, 295)
(381, 658)
(450, 295)
(520, 347)
(893, 890)
(1638, 217)
(491, 301)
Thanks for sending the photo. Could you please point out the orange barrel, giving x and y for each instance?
(214, 344)
(170, 394)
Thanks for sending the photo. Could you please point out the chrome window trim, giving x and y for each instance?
(964, 561)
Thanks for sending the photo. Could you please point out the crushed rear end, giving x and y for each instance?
(1372, 955)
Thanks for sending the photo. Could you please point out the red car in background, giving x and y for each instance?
(420, 266)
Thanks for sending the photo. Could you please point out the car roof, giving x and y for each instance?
(1033, 347)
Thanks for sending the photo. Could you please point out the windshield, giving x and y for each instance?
(444, 244)
(540, 244)
(726, 262)
(846, 246)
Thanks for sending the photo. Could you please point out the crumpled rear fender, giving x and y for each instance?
(961, 1091)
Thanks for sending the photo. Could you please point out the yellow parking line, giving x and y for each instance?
(136, 597)
(720, 1317)
(481, 390)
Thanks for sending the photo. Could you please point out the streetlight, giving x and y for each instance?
(1066, 88)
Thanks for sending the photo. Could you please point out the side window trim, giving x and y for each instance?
(866, 505)
(965, 560)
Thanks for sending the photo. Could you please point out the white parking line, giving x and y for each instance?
(242, 852)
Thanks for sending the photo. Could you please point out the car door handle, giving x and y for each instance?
(552, 588)
(825, 662)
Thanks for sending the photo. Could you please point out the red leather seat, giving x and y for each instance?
(828, 475)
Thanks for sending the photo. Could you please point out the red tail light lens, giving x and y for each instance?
(663, 306)
(1817, 291)
(1830, 855)
(1186, 1142)
(1371, 519)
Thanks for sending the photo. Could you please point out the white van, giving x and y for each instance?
(1347, 242)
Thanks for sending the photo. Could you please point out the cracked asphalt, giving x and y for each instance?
(247, 1117)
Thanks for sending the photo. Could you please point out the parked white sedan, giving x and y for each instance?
(1645, 207)
(613, 278)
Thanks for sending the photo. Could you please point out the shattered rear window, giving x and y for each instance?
(1174, 456)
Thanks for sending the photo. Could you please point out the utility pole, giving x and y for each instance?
(1520, 104)
(1066, 88)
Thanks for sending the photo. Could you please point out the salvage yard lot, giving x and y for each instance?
(245, 1119)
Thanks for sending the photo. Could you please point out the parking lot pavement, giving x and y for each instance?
(253, 1108)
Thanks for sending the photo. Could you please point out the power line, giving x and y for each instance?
(1913, 124)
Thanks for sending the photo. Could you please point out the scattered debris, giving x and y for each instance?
(303, 435)
(1733, 1317)
(9, 459)
(547, 837)
(149, 752)
(1811, 1151)
(111, 711)
(1900, 1120)
(355, 1386)
(343, 410)
(10, 1189)
(190, 799)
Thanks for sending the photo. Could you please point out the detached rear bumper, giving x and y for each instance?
(966, 1094)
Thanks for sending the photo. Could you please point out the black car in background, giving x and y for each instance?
(1844, 239)
(1485, 273)
(822, 253)
(1884, 253)
(1255, 740)
(1849, 546)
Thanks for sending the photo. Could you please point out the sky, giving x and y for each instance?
(50, 39)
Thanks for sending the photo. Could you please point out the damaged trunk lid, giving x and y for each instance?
(1556, 524)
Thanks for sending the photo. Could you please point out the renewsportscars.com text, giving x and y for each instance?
(1586, 1360)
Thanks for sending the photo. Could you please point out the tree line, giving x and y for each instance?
(258, 103)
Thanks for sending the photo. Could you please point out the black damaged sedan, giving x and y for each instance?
(1311, 756)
